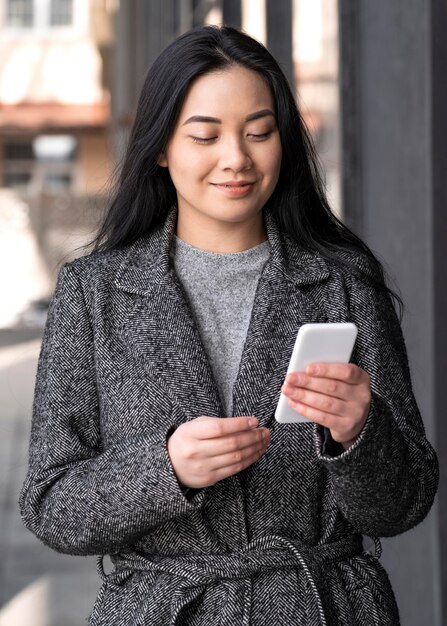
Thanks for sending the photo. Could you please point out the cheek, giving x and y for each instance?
(272, 163)
(270, 155)
(188, 167)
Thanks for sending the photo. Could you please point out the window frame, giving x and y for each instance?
(42, 28)
(39, 169)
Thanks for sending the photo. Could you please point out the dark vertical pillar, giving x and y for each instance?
(143, 29)
(393, 109)
(159, 27)
(350, 96)
(279, 34)
(123, 85)
(232, 13)
(142, 34)
(124, 57)
(184, 10)
(439, 198)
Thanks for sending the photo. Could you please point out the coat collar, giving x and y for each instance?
(159, 329)
(147, 262)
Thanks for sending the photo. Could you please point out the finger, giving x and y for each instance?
(221, 426)
(316, 415)
(327, 386)
(234, 442)
(237, 457)
(346, 372)
(345, 425)
(231, 470)
(320, 401)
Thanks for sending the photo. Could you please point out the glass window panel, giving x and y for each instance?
(57, 182)
(19, 151)
(17, 180)
(61, 13)
(20, 13)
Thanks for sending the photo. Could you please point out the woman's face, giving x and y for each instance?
(224, 155)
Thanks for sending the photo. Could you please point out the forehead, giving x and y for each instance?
(233, 90)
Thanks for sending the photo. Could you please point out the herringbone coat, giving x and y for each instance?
(122, 362)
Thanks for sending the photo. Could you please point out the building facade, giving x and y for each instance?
(54, 105)
(55, 150)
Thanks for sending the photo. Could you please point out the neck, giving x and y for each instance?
(221, 237)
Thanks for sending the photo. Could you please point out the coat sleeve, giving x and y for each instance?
(78, 498)
(385, 483)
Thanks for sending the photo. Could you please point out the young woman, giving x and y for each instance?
(165, 352)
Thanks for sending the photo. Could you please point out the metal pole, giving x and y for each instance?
(279, 34)
(232, 13)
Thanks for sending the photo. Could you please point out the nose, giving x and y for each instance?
(235, 156)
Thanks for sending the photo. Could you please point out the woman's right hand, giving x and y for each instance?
(208, 449)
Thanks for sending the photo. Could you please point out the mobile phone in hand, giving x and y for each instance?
(316, 343)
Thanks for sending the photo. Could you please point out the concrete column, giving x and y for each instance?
(123, 84)
(279, 34)
(438, 138)
(185, 12)
(350, 98)
(143, 29)
(157, 27)
(232, 13)
(394, 98)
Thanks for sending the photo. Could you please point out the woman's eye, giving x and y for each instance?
(260, 136)
(203, 139)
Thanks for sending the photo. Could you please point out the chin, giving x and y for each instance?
(238, 214)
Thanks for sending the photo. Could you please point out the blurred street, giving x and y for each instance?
(38, 587)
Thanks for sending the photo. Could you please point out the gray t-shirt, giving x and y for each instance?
(221, 288)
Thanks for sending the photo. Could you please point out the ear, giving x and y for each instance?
(161, 159)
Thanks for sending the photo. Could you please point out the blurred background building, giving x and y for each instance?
(369, 78)
(55, 155)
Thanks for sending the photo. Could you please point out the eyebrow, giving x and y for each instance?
(215, 120)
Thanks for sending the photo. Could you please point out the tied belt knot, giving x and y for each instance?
(269, 553)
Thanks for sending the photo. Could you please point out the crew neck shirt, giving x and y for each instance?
(221, 288)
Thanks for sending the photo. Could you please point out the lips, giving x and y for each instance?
(234, 183)
(235, 188)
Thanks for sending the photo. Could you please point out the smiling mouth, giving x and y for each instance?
(233, 185)
(236, 189)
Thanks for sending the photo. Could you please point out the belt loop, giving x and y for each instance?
(100, 568)
(115, 577)
(377, 546)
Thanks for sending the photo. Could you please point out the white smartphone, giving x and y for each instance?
(316, 343)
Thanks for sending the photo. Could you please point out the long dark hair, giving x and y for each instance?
(144, 193)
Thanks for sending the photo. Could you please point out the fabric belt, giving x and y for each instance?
(262, 555)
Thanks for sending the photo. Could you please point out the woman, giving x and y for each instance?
(165, 352)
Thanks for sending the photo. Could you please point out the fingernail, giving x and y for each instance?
(252, 422)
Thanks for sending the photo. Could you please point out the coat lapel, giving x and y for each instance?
(160, 330)
(287, 297)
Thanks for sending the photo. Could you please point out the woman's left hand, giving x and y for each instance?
(335, 395)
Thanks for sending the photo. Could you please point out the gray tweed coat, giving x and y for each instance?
(122, 363)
